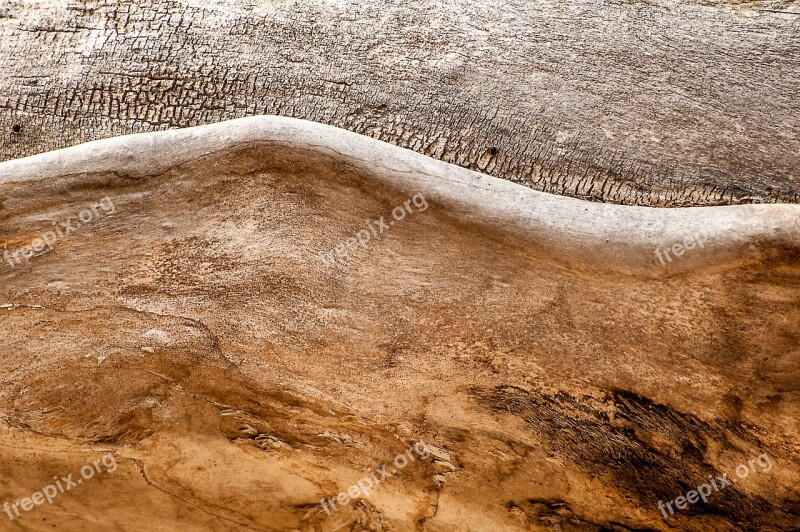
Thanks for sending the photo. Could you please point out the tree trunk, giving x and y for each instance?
(627, 102)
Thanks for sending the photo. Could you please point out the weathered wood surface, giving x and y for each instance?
(669, 103)
(563, 377)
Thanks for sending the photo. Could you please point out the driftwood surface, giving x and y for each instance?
(649, 103)
(560, 376)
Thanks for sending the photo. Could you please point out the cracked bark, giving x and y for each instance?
(629, 103)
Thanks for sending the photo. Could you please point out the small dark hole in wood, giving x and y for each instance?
(493, 151)
(16, 128)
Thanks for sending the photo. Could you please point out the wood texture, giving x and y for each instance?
(647, 103)
(563, 379)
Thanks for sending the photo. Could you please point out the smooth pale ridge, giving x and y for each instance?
(616, 237)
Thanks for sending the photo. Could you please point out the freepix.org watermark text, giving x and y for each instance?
(61, 485)
(47, 241)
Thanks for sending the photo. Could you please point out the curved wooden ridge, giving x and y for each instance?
(255, 316)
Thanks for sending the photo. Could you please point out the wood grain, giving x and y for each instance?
(561, 376)
(646, 103)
